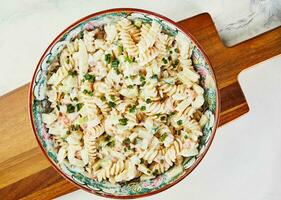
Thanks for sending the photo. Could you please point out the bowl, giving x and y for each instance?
(132, 189)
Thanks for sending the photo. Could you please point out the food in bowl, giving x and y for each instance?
(124, 103)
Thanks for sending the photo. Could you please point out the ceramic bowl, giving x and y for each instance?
(133, 189)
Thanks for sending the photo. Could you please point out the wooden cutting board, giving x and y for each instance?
(26, 173)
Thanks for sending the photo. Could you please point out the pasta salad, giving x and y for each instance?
(125, 101)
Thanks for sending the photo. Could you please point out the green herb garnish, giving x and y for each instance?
(164, 60)
(75, 127)
(126, 142)
(112, 104)
(72, 73)
(148, 101)
(171, 114)
(111, 143)
(88, 92)
(155, 172)
(130, 86)
(132, 109)
(186, 136)
(123, 121)
(75, 99)
(163, 137)
(143, 83)
(142, 78)
(115, 64)
(143, 108)
(70, 108)
(154, 76)
(107, 58)
(179, 122)
(89, 77)
(79, 106)
(128, 59)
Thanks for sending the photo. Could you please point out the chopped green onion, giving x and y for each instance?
(132, 109)
(89, 77)
(123, 121)
(107, 58)
(186, 136)
(143, 83)
(70, 108)
(171, 114)
(154, 76)
(142, 78)
(75, 99)
(111, 143)
(163, 137)
(143, 108)
(128, 59)
(165, 61)
(130, 86)
(148, 101)
(73, 73)
(79, 106)
(115, 64)
(91, 93)
(155, 172)
(179, 122)
(126, 142)
(75, 127)
(112, 104)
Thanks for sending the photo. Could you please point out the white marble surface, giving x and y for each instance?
(244, 160)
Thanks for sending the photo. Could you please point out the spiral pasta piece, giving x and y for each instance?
(129, 43)
(127, 25)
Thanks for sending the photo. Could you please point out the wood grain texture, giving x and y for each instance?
(24, 171)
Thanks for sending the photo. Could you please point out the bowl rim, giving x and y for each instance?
(217, 113)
